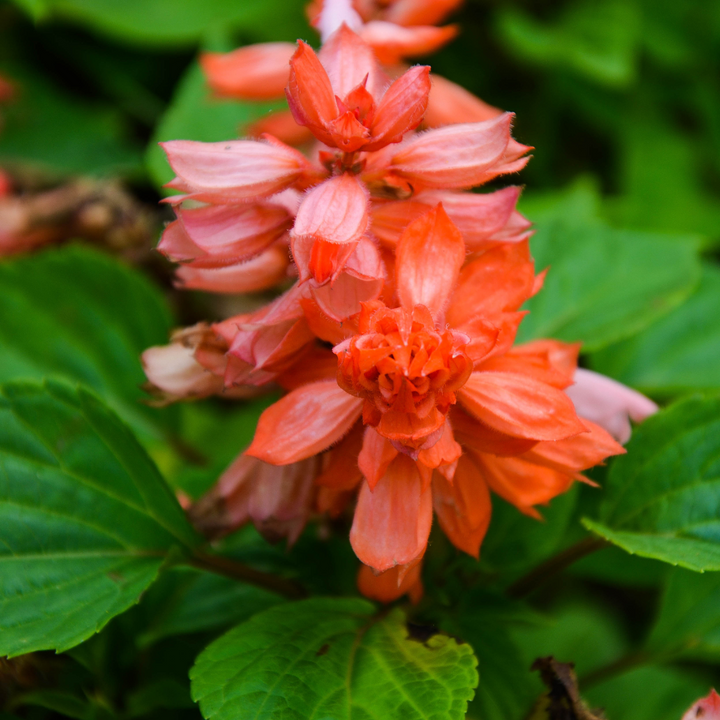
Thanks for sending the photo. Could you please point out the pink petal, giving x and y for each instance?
(234, 170)
(239, 231)
(174, 370)
(456, 156)
(262, 272)
(335, 14)
(375, 457)
(342, 299)
(176, 245)
(420, 12)
(430, 254)
(335, 211)
(707, 708)
(305, 422)
(392, 523)
(609, 403)
(253, 72)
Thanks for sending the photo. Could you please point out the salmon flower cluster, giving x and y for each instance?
(393, 334)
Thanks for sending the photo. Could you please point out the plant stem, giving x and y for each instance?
(537, 576)
(627, 662)
(239, 571)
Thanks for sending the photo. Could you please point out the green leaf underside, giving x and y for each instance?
(679, 352)
(325, 659)
(86, 521)
(644, 276)
(663, 497)
(77, 314)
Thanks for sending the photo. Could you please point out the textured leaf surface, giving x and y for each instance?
(663, 497)
(644, 276)
(323, 658)
(678, 353)
(77, 314)
(86, 521)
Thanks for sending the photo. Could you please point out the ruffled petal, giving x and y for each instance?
(392, 523)
(304, 422)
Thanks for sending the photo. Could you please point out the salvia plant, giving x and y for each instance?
(387, 469)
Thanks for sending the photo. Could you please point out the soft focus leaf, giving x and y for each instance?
(76, 313)
(677, 353)
(643, 277)
(49, 131)
(596, 38)
(194, 114)
(171, 22)
(86, 521)
(663, 497)
(187, 601)
(648, 693)
(331, 658)
(689, 617)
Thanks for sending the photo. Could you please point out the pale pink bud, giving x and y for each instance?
(707, 708)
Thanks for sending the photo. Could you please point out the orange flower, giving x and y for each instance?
(450, 409)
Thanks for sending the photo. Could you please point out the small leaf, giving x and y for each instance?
(677, 353)
(77, 314)
(86, 521)
(663, 497)
(332, 659)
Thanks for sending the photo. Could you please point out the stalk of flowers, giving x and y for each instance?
(394, 30)
(415, 284)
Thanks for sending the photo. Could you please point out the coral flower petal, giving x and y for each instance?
(392, 523)
(401, 108)
(393, 42)
(235, 170)
(253, 72)
(450, 104)
(429, 257)
(420, 12)
(707, 708)
(520, 406)
(391, 584)
(376, 455)
(456, 156)
(309, 92)
(176, 245)
(305, 422)
(463, 507)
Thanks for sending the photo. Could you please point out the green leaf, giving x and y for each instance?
(485, 620)
(647, 693)
(77, 314)
(677, 353)
(643, 276)
(86, 521)
(55, 133)
(332, 659)
(187, 601)
(595, 38)
(689, 617)
(175, 22)
(194, 114)
(663, 497)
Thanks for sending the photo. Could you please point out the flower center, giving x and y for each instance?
(405, 369)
